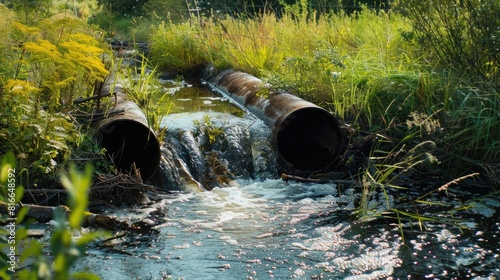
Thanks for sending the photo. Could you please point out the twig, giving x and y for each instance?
(120, 188)
(115, 237)
(93, 97)
(286, 178)
(44, 214)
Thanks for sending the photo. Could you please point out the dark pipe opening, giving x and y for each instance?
(309, 139)
(128, 141)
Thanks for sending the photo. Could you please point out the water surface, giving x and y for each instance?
(256, 226)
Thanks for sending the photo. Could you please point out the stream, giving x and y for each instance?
(253, 225)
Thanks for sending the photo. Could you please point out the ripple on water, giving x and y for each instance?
(237, 232)
(269, 228)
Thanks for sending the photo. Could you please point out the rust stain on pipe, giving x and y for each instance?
(307, 138)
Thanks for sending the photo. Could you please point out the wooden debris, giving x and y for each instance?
(115, 190)
(286, 178)
(120, 188)
(44, 214)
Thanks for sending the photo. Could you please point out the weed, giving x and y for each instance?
(143, 88)
(213, 133)
(52, 63)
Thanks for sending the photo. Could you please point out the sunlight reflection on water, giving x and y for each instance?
(260, 229)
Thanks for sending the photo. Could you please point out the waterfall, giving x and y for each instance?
(207, 149)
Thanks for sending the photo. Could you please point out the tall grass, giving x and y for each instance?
(367, 68)
(143, 88)
(326, 60)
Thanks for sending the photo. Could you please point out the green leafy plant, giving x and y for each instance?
(65, 250)
(50, 65)
(10, 195)
(39, 138)
(212, 132)
(32, 11)
(463, 34)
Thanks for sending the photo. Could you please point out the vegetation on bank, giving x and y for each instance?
(45, 67)
(47, 61)
(52, 64)
(419, 72)
(18, 251)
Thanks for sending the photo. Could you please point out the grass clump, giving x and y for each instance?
(336, 60)
(143, 88)
(461, 40)
(183, 55)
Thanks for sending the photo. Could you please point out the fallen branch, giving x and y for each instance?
(44, 214)
(286, 178)
(94, 97)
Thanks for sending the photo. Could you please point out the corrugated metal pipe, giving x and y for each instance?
(306, 137)
(127, 137)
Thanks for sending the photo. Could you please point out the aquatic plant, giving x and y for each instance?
(212, 132)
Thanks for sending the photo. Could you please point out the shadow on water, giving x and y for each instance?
(252, 225)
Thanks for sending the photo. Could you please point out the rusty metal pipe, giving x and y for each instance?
(128, 139)
(306, 137)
